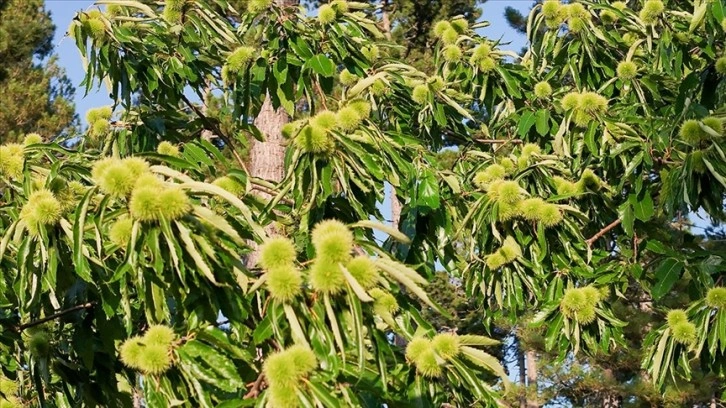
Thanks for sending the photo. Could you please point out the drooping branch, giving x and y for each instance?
(602, 232)
(55, 316)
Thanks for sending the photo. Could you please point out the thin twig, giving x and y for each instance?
(603, 232)
(271, 192)
(55, 316)
(499, 141)
(319, 90)
(256, 387)
(120, 124)
(215, 129)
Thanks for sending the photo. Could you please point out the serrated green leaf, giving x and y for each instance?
(643, 208)
(526, 122)
(543, 122)
(666, 276)
(321, 65)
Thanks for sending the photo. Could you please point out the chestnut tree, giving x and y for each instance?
(126, 259)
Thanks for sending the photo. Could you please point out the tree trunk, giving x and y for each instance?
(395, 209)
(532, 379)
(207, 134)
(646, 306)
(386, 28)
(522, 376)
(267, 159)
(137, 399)
(138, 396)
(385, 20)
(610, 399)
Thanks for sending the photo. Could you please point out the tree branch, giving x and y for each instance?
(603, 232)
(55, 316)
(321, 94)
(256, 387)
(270, 191)
(214, 128)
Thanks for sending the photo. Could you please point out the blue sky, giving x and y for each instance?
(63, 11)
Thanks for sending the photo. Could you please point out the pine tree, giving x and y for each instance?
(35, 94)
(414, 20)
(516, 19)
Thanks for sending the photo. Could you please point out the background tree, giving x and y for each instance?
(516, 19)
(412, 23)
(35, 95)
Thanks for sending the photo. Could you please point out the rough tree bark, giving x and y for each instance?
(267, 159)
(385, 20)
(395, 209)
(386, 28)
(531, 357)
(522, 376)
(645, 306)
(138, 399)
(207, 134)
(610, 399)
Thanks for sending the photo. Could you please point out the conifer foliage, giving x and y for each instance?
(35, 94)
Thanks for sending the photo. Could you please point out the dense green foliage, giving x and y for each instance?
(555, 215)
(619, 375)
